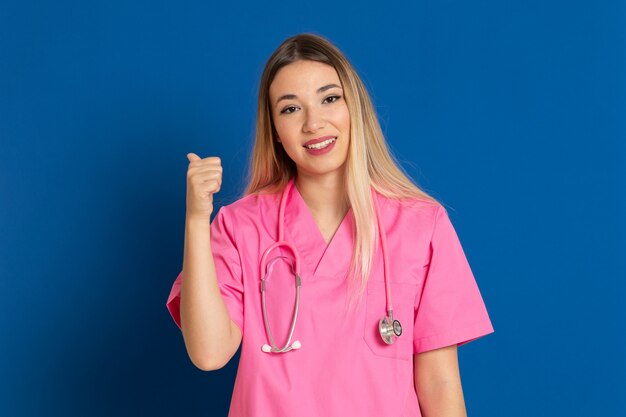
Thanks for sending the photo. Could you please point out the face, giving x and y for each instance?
(308, 104)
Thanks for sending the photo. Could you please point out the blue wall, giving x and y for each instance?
(511, 113)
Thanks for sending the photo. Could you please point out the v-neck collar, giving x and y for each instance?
(319, 258)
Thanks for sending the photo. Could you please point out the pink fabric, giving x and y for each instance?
(344, 367)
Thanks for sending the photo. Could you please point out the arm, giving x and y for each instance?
(438, 383)
(211, 338)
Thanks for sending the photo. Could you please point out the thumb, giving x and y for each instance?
(193, 157)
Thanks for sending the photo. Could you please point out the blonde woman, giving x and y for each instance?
(344, 283)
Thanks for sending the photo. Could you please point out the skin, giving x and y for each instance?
(311, 114)
(438, 383)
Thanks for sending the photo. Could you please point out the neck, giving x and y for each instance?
(324, 194)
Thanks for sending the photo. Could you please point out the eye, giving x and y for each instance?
(333, 97)
(287, 110)
(284, 111)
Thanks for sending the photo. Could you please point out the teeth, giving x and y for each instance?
(321, 144)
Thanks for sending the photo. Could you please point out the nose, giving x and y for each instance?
(314, 120)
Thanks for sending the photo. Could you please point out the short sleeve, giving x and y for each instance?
(227, 266)
(450, 309)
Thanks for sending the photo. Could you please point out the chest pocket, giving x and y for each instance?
(402, 298)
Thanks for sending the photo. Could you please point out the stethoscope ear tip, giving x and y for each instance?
(295, 345)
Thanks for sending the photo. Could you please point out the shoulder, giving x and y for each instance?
(253, 210)
(410, 224)
(252, 203)
(422, 211)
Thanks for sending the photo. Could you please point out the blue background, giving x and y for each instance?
(511, 113)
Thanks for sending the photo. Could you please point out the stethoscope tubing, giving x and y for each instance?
(287, 346)
(265, 272)
(383, 244)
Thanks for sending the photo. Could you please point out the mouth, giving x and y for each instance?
(321, 144)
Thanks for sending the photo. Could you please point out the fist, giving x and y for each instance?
(204, 178)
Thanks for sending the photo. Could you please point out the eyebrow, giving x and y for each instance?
(319, 90)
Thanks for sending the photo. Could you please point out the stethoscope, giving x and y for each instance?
(388, 328)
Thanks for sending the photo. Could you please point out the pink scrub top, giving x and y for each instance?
(343, 367)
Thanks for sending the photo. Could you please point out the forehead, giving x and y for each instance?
(303, 77)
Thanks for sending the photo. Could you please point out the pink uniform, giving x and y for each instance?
(343, 367)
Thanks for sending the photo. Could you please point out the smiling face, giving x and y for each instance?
(307, 103)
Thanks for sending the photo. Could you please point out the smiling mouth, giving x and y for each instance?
(321, 145)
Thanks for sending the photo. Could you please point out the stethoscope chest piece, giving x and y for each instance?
(389, 329)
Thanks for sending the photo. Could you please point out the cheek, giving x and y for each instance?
(343, 118)
(284, 127)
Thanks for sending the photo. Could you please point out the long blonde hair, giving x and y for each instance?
(271, 168)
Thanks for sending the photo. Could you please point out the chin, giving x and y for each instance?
(323, 170)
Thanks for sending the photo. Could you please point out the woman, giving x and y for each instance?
(386, 294)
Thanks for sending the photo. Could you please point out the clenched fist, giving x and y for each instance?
(204, 178)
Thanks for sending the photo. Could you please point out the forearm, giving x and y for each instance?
(441, 399)
(438, 383)
(205, 321)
